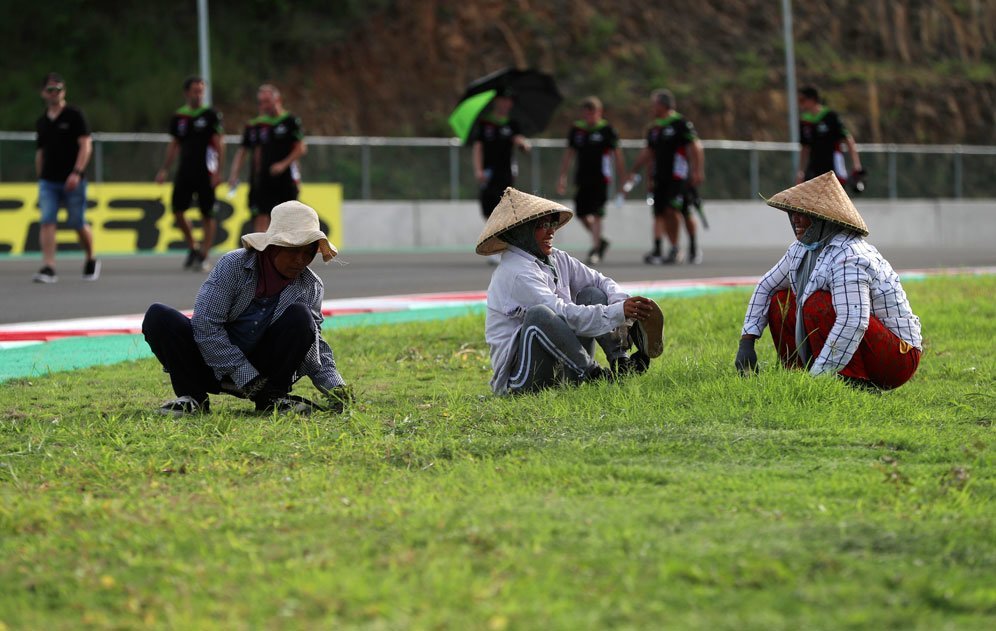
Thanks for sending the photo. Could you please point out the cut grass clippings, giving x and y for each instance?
(687, 497)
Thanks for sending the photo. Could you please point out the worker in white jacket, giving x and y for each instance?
(546, 309)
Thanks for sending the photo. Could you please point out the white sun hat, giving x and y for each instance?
(515, 209)
(824, 198)
(292, 224)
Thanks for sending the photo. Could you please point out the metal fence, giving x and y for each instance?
(379, 168)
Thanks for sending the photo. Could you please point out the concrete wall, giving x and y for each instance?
(456, 225)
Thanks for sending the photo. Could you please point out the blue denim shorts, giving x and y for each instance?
(52, 195)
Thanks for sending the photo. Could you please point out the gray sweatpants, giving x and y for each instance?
(548, 352)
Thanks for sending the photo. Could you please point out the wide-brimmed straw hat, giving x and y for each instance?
(515, 209)
(823, 198)
(292, 224)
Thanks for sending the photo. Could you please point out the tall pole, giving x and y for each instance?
(793, 101)
(202, 38)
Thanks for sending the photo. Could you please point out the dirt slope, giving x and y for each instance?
(899, 71)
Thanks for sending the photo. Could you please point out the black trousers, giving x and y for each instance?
(277, 356)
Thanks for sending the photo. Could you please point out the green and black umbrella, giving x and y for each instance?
(535, 93)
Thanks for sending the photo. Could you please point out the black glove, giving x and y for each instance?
(339, 398)
(746, 357)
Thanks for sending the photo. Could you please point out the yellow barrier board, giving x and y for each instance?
(127, 218)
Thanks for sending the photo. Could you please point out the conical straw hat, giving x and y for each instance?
(824, 198)
(514, 209)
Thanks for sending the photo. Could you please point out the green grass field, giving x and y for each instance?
(684, 498)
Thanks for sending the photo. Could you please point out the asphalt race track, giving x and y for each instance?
(129, 284)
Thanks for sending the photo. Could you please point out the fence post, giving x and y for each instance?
(537, 178)
(365, 171)
(98, 160)
(958, 172)
(454, 171)
(755, 174)
(893, 186)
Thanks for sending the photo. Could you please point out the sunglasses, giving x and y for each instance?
(54, 88)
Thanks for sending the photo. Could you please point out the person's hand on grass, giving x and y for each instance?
(339, 398)
(746, 361)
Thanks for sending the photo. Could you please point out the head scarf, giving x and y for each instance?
(813, 240)
(523, 236)
(270, 282)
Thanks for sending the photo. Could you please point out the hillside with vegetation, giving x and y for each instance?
(904, 72)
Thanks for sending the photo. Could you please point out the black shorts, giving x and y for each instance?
(670, 195)
(271, 192)
(590, 200)
(490, 196)
(184, 189)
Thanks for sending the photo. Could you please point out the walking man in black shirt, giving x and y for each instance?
(596, 145)
(279, 145)
(823, 137)
(247, 149)
(494, 145)
(64, 148)
(196, 132)
(678, 163)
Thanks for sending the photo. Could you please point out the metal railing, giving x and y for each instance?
(383, 168)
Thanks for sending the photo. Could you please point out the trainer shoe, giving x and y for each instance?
(200, 263)
(594, 258)
(183, 406)
(634, 364)
(673, 256)
(695, 258)
(602, 248)
(597, 373)
(289, 404)
(188, 263)
(91, 269)
(648, 336)
(46, 275)
(651, 258)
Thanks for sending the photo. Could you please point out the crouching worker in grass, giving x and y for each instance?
(256, 326)
(833, 303)
(546, 309)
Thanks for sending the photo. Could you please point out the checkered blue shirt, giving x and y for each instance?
(861, 282)
(227, 292)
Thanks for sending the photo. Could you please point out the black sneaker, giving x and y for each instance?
(200, 263)
(674, 256)
(652, 258)
(635, 364)
(593, 257)
(602, 248)
(289, 404)
(183, 406)
(91, 269)
(46, 275)
(597, 373)
(188, 263)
